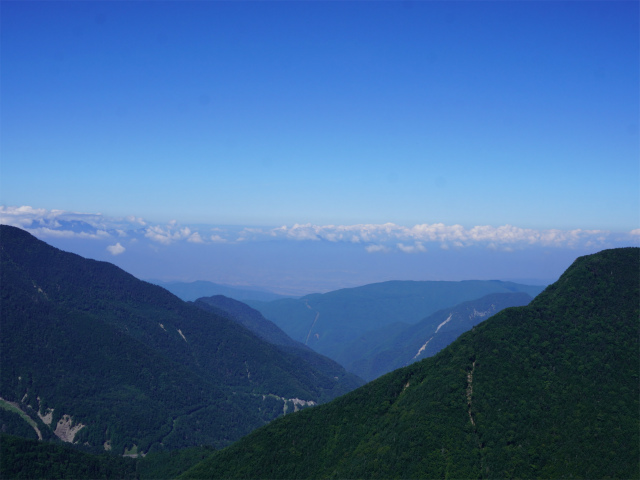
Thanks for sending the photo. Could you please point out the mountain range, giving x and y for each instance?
(386, 349)
(96, 357)
(191, 291)
(95, 360)
(548, 390)
(335, 323)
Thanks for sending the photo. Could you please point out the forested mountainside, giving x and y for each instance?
(270, 332)
(30, 459)
(548, 390)
(329, 322)
(95, 356)
(21, 458)
(382, 351)
(248, 317)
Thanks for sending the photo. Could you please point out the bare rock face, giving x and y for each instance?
(47, 418)
(65, 430)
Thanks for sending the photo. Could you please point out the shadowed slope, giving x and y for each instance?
(127, 364)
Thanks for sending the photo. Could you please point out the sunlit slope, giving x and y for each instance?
(546, 390)
(128, 365)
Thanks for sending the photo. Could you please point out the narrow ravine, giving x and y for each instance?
(312, 325)
(471, 419)
(470, 392)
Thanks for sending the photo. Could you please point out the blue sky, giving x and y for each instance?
(272, 114)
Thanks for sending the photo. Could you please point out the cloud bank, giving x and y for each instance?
(374, 238)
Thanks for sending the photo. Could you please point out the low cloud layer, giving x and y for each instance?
(374, 238)
(415, 239)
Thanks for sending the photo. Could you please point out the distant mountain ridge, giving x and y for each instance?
(123, 365)
(549, 390)
(191, 291)
(330, 322)
(384, 351)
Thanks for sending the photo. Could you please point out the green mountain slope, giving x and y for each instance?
(548, 390)
(329, 322)
(30, 459)
(105, 359)
(382, 352)
(248, 317)
(254, 321)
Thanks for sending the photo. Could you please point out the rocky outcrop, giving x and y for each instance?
(66, 430)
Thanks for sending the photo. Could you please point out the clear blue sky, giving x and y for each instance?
(494, 137)
(271, 113)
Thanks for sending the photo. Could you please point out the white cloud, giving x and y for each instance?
(61, 223)
(195, 238)
(134, 219)
(217, 239)
(417, 247)
(413, 239)
(46, 232)
(372, 237)
(116, 249)
(376, 248)
(248, 233)
(305, 232)
(167, 234)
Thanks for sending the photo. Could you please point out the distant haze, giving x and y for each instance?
(303, 259)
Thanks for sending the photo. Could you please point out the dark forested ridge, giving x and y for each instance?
(548, 390)
(31, 459)
(248, 317)
(104, 359)
(253, 320)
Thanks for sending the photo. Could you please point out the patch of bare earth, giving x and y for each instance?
(65, 430)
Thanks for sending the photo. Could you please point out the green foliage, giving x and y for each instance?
(129, 360)
(12, 423)
(548, 390)
(31, 459)
(380, 352)
(165, 465)
(325, 370)
(249, 317)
